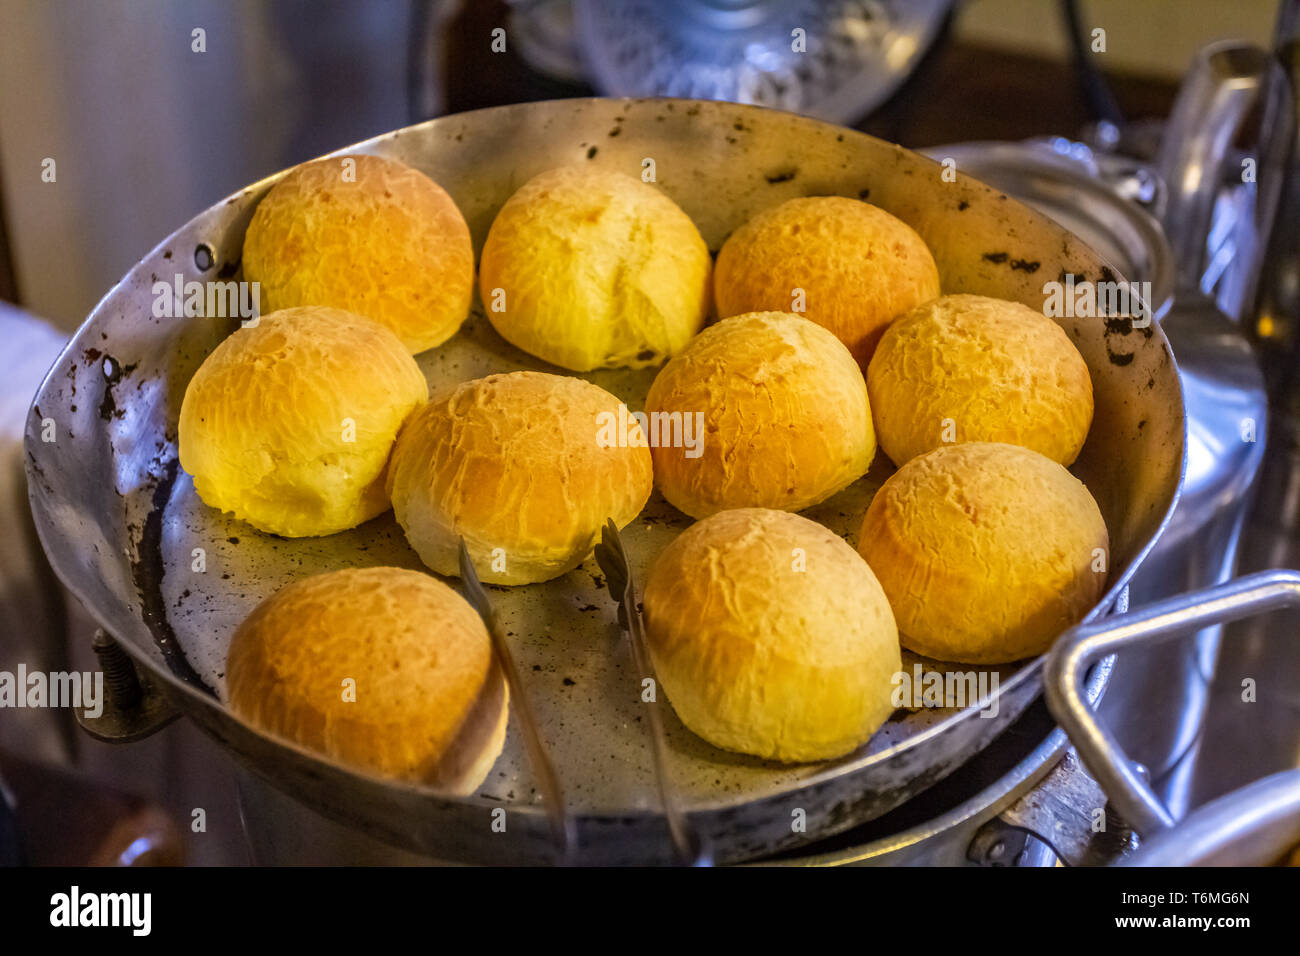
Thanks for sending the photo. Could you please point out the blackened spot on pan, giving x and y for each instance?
(1119, 358)
(997, 258)
(863, 194)
(1151, 383)
(739, 127)
(692, 111)
(1142, 424)
(233, 540)
(91, 356)
(1123, 325)
(615, 131)
(591, 153)
(229, 269)
(1107, 275)
(963, 206)
(167, 254)
(645, 355)
(147, 570)
(569, 682)
(840, 138)
(784, 176)
(113, 373)
(1025, 265)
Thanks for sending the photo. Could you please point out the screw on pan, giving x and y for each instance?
(119, 671)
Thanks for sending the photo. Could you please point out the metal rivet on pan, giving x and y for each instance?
(204, 258)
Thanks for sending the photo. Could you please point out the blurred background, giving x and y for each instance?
(122, 119)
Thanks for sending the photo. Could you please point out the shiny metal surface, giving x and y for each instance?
(539, 760)
(611, 556)
(835, 60)
(1224, 83)
(1227, 414)
(1072, 192)
(120, 523)
(1082, 646)
(1257, 825)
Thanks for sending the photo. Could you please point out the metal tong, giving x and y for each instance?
(562, 831)
(688, 846)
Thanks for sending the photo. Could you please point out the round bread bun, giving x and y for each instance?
(785, 412)
(366, 234)
(771, 636)
(987, 552)
(984, 370)
(857, 265)
(385, 670)
(588, 268)
(288, 424)
(524, 467)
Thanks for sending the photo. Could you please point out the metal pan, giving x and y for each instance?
(121, 523)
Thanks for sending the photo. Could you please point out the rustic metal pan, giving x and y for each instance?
(121, 523)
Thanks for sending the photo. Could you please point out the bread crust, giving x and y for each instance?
(857, 266)
(515, 464)
(771, 636)
(376, 237)
(288, 424)
(786, 418)
(987, 552)
(428, 700)
(595, 270)
(981, 369)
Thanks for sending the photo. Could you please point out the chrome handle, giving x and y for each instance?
(1224, 83)
(1079, 648)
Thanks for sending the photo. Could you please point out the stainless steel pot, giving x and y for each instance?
(121, 523)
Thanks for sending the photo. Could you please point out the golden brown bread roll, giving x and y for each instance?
(785, 413)
(986, 551)
(771, 637)
(970, 368)
(386, 670)
(288, 424)
(521, 466)
(366, 234)
(588, 268)
(857, 266)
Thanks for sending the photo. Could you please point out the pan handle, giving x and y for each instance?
(1080, 647)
